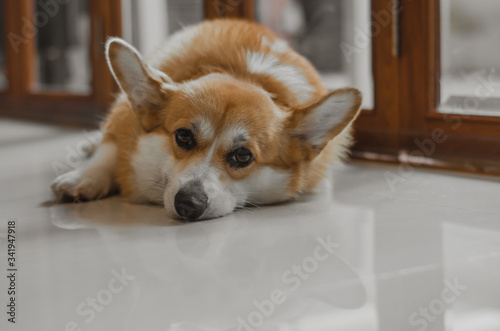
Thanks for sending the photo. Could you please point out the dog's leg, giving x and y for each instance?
(93, 180)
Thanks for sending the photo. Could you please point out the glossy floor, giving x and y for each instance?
(379, 251)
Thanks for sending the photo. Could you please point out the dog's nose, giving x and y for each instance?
(189, 204)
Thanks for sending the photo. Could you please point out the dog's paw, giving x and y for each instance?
(82, 185)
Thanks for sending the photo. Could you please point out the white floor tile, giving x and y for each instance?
(422, 255)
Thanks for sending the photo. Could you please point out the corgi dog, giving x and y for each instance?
(225, 115)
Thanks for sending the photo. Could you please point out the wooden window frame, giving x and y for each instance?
(377, 129)
(21, 100)
(472, 142)
(411, 130)
(404, 125)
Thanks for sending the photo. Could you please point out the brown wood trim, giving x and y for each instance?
(4, 28)
(229, 8)
(470, 140)
(105, 22)
(437, 53)
(416, 68)
(58, 97)
(52, 110)
(367, 112)
(377, 130)
(483, 170)
(465, 118)
(465, 142)
(20, 46)
(21, 101)
(247, 9)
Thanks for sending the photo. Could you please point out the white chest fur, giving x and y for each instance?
(150, 164)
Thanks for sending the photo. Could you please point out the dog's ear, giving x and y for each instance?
(322, 120)
(148, 89)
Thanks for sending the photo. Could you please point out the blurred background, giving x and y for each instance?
(429, 73)
(315, 29)
(52, 67)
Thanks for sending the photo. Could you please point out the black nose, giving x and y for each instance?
(190, 204)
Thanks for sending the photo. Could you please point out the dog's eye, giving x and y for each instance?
(240, 157)
(185, 139)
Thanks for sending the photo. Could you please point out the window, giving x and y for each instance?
(56, 68)
(429, 70)
(324, 32)
(62, 49)
(435, 97)
(443, 122)
(147, 24)
(470, 61)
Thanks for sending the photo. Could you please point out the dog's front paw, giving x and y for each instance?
(81, 185)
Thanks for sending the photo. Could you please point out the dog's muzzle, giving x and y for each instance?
(191, 201)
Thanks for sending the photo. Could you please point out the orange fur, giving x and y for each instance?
(233, 97)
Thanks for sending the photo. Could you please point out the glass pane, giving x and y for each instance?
(184, 12)
(3, 67)
(470, 57)
(147, 24)
(335, 35)
(63, 59)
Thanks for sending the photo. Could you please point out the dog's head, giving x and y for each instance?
(225, 142)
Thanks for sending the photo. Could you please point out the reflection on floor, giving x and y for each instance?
(423, 254)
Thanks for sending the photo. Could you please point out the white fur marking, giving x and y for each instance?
(150, 159)
(104, 156)
(279, 46)
(93, 180)
(266, 42)
(264, 186)
(279, 113)
(228, 137)
(221, 200)
(290, 76)
(205, 129)
(176, 45)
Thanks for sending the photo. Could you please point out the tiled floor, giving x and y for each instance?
(422, 254)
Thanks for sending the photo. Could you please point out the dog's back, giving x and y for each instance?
(246, 50)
